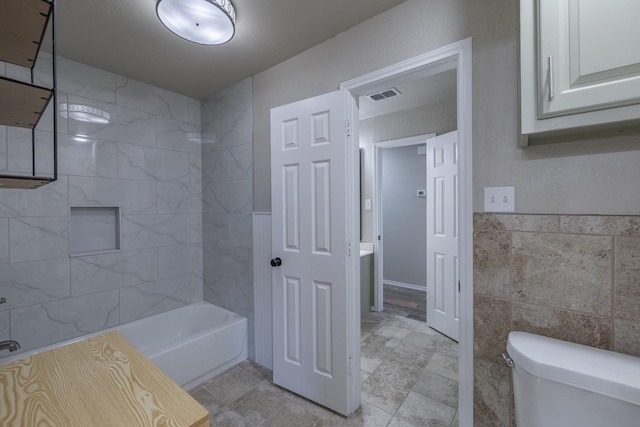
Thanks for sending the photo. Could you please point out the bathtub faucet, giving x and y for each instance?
(9, 345)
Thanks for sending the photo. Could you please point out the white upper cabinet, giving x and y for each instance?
(579, 64)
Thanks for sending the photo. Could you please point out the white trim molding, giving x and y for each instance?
(262, 288)
(405, 285)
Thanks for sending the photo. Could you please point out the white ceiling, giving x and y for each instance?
(126, 37)
(415, 93)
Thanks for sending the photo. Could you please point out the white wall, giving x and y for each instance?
(598, 176)
(412, 28)
(404, 215)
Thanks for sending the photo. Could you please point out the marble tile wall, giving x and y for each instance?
(147, 161)
(227, 201)
(575, 278)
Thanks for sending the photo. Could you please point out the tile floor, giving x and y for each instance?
(409, 378)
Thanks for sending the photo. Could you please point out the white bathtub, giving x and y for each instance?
(190, 344)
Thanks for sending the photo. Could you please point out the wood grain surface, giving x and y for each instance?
(100, 381)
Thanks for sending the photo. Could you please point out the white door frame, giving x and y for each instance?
(454, 56)
(378, 269)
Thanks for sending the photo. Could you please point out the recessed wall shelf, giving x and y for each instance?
(23, 24)
(94, 230)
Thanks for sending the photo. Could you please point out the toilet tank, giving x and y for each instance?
(557, 383)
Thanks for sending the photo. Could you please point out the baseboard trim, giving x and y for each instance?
(405, 285)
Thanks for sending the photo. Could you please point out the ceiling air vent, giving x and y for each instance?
(387, 93)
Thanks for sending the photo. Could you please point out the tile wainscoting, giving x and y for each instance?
(571, 277)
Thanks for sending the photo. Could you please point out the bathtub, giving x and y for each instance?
(190, 344)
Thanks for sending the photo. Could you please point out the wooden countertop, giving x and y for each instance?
(100, 381)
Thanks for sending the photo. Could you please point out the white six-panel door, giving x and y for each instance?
(442, 234)
(309, 196)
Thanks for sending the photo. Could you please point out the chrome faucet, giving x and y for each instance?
(10, 345)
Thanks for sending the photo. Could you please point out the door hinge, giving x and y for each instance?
(347, 127)
(349, 247)
(350, 370)
(458, 286)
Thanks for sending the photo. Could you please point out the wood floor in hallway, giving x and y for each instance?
(405, 302)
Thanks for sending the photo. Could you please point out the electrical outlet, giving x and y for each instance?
(499, 199)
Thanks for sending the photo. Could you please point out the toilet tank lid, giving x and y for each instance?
(600, 371)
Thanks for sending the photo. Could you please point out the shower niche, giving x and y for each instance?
(94, 230)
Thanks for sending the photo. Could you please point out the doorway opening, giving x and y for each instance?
(398, 187)
(455, 58)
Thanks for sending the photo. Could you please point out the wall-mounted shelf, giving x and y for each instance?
(23, 24)
(24, 182)
(22, 27)
(22, 104)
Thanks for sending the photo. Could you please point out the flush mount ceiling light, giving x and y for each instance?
(208, 22)
(84, 113)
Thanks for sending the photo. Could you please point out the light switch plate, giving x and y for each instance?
(499, 199)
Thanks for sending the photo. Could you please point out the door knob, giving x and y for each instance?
(276, 262)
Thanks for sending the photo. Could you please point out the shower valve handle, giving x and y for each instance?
(276, 262)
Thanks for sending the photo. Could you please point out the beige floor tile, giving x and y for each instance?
(228, 418)
(371, 322)
(364, 375)
(206, 399)
(455, 422)
(444, 366)
(327, 418)
(231, 385)
(380, 344)
(424, 329)
(256, 370)
(293, 413)
(259, 403)
(397, 332)
(370, 359)
(421, 411)
(398, 373)
(384, 395)
(438, 388)
(422, 341)
(397, 422)
(368, 415)
(404, 322)
(448, 348)
(412, 356)
(364, 335)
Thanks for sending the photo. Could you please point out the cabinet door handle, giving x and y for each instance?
(550, 67)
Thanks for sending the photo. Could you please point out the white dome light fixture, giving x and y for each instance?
(84, 113)
(208, 22)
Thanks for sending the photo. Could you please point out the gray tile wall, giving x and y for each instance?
(574, 278)
(147, 161)
(227, 201)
